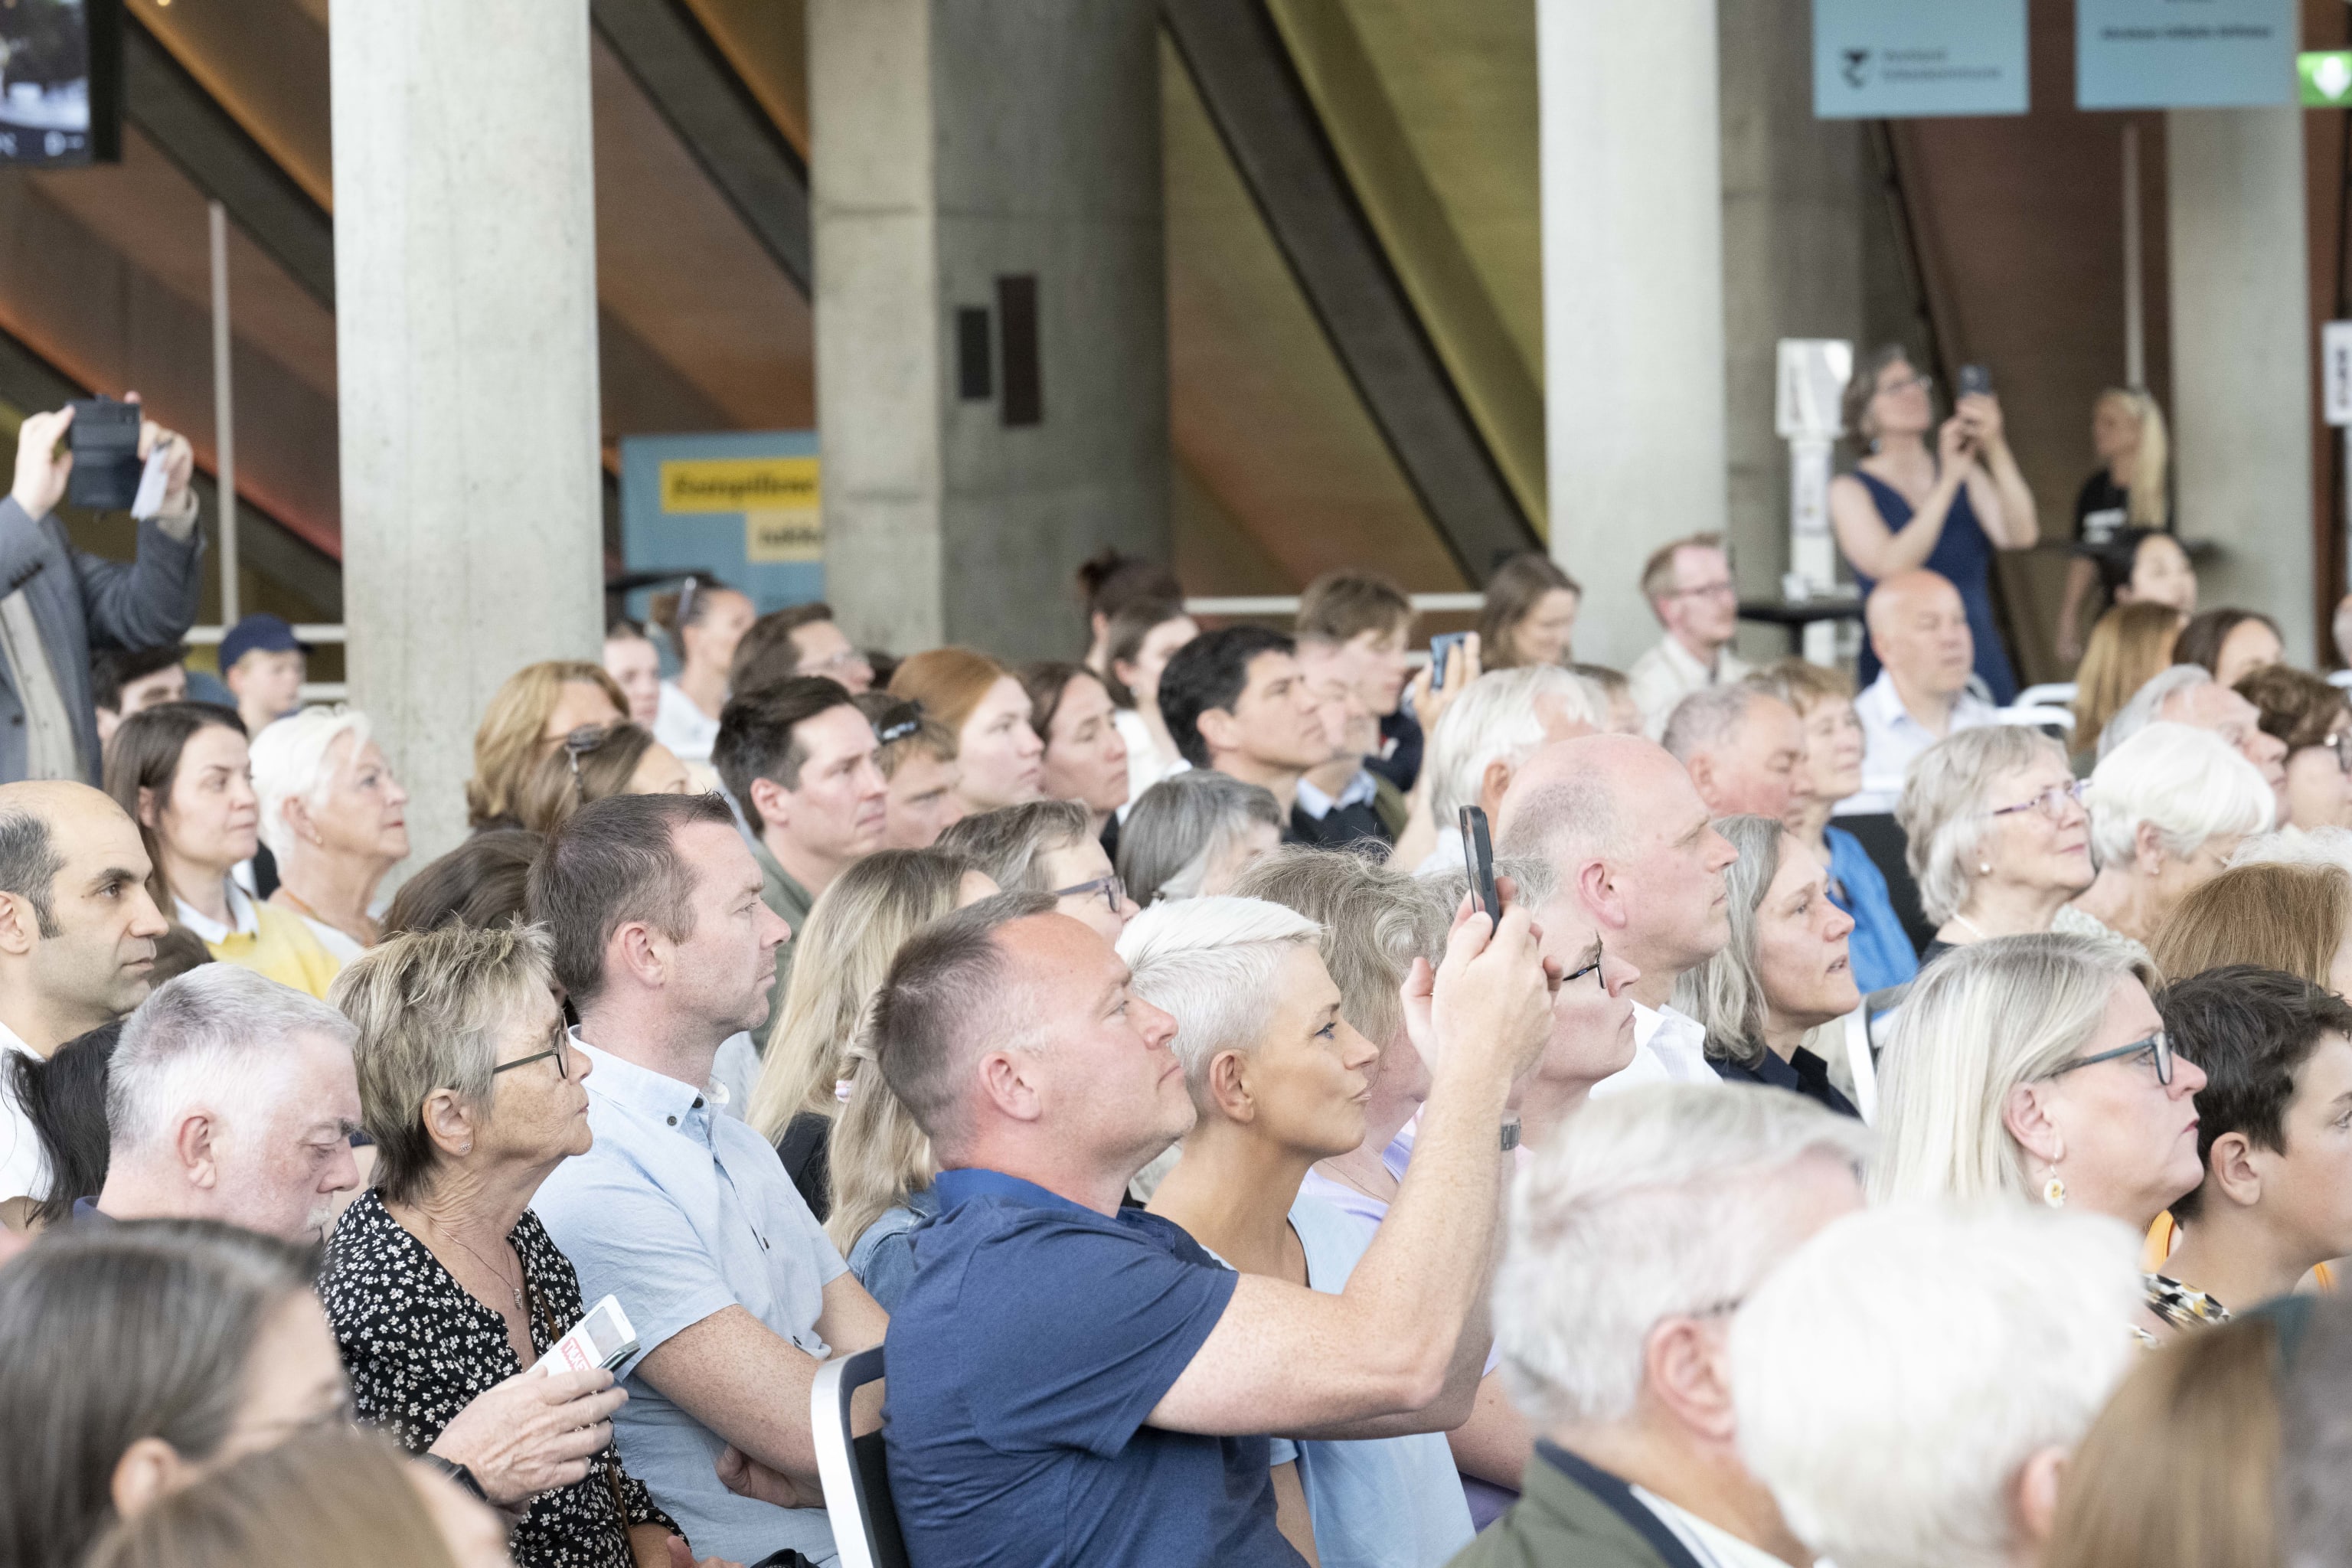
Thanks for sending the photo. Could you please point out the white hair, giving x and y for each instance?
(2297, 846)
(1892, 1377)
(290, 762)
(2191, 783)
(1497, 720)
(1663, 1200)
(1708, 718)
(2146, 704)
(215, 1037)
(1945, 808)
(1213, 963)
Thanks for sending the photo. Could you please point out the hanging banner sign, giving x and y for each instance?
(744, 505)
(2185, 54)
(1897, 60)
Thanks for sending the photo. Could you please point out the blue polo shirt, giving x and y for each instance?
(1035, 1339)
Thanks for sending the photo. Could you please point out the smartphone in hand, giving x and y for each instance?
(104, 441)
(1975, 381)
(1440, 646)
(1478, 855)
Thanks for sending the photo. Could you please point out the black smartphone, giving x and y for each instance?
(1975, 381)
(104, 441)
(1478, 855)
(1440, 645)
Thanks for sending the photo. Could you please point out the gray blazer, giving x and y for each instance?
(78, 599)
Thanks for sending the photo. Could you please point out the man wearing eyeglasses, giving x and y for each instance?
(1690, 590)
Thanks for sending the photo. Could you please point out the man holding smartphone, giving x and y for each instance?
(56, 601)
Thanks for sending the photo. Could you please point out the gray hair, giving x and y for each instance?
(214, 1036)
(1663, 1201)
(1182, 826)
(1010, 844)
(1376, 921)
(1531, 874)
(2146, 704)
(290, 763)
(2327, 845)
(1708, 718)
(1945, 801)
(1980, 1021)
(1496, 720)
(1211, 963)
(1725, 994)
(2189, 783)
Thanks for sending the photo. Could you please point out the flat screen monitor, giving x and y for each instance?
(60, 82)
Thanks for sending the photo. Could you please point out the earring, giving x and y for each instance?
(1984, 867)
(2053, 1192)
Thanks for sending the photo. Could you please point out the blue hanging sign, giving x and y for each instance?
(2185, 54)
(1899, 60)
(743, 504)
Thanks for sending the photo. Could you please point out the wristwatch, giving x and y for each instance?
(455, 1472)
(1510, 1134)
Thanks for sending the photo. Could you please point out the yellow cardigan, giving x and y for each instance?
(282, 948)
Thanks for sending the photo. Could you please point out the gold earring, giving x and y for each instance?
(2053, 1192)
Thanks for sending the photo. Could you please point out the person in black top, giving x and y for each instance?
(2130, 488)
(1783, 974)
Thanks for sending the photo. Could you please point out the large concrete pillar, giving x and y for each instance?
(1633, 299)
(2242, 357)
(465, 359)
(960, 147)
(1792, 266)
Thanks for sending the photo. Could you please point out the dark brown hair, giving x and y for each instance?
(767, 653)
(2251, 1030)
(2201, 640)
(1111, 580)
(1517, 585)
(905, 731)
(2296, 706)
(759, 734)
(615, 862)
(1123, 643)
(145, 755)
(1048, 681)
(479, 883)
(1346, 603)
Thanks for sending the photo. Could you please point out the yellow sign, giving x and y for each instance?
(739, 484)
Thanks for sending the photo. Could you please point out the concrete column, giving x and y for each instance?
(1633, 297)
(465, 359)
(956, 144)
(1793, 265)
(2242, 357)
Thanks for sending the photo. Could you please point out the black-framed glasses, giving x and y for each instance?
(2157, 1047)
(1590, 966)
(1113, 891)
(560, 1050)
(2050, 802)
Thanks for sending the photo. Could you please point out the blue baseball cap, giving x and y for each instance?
(258, 634)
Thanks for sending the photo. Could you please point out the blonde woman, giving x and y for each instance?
(2131, 646)
(2036, 1070)
(2132, 488)
(539, 705)
(853, 931)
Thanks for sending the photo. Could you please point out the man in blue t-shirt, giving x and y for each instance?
(1073, 1383)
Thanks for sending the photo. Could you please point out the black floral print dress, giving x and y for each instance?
(419, 1348)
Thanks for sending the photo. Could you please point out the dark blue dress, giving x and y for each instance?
(1963, 555)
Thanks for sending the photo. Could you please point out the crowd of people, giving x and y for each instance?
(1875, 1125)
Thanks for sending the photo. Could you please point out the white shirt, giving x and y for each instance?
(1892, 741)
(242, 921)
(1447, 857)
(1147, 764)
(1318, 805)
(1669, 672)
(1668, 1048)
(685, 729)
(23, 1169)
(1713, 1546)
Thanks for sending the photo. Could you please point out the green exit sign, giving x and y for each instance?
(2327, 78)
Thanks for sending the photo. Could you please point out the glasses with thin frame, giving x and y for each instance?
(1590, 966)
(2050, 802)
(560, 1049)
(2157, 1047)
(1113, 891)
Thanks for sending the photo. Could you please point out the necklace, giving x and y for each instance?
(513, 1290)
(1973, 929)
(365, 938)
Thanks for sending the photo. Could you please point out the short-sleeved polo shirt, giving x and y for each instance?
(682, 1211)
(1035, 1339)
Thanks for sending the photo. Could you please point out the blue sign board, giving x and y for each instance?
(1899, 60)
(2185, 54)
(744, 505)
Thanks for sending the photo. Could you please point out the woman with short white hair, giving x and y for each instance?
(1998, 841)
(334, 817)
(1910, 1383)
(1280, 1080)
(2168, 808)
(2036, 1068)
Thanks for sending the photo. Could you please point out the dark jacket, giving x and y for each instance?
(1571, 1515)
(78, 599)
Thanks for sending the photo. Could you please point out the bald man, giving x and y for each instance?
(77, 943)
(1919, 630)
(1635, 862)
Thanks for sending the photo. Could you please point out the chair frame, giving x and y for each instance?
(849, 1506)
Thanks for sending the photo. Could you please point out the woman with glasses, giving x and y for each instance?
(1046, 846)
(1785, 973)
(440, 1282)
(595, 763)
(533, 711)
(2168, 808)
(1997, 838)
(334, 817)
(2312, 717)
(2036, 1068)
(1947, 509)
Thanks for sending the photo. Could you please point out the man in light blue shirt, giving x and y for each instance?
(1926, 653)
(682, 1212)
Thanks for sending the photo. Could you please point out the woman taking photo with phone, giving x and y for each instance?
(1904, 506)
